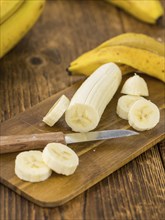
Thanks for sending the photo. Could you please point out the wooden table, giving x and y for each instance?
(35, 70)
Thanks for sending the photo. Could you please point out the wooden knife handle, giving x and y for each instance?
(16, 143)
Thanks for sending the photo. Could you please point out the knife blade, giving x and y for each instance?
(16, 143)
(97, 135)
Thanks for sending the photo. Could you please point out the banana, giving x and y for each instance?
(143, 60)
(135, 85)
(90, 100)
(60, 158)
(144, 10)
(8, 7)
(143, 115)
(29, 166)
(124, 104)
(56, 111)
(135, 40)
(14, 28)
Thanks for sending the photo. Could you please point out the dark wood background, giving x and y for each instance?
(35, 70)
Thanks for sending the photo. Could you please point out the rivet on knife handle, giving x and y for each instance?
(16, 143)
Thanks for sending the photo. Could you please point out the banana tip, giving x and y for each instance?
(68, 72)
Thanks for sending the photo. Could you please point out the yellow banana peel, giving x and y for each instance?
(16, 25)
(8, 7)
(145, 10)
(135, 40)
(131, 51)
(143, 60)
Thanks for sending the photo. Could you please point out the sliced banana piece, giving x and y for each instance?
(56, 111)
(135, 85)
(29, 166)
(60, 158)
(143, 115)
(124, 104)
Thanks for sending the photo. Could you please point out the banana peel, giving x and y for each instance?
(143, 60)
(131, 51)
(8, 8)
(135, 40)
(14, 28)
(144, 10)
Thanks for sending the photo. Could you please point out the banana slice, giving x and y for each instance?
(60, 158)
(57, 110)
(29, 166)
(135, 85)
(124, 104)
(143, 115)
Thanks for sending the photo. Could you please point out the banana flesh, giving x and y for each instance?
(8, 7)
(135, 85)
(60, 158)
(56, 111)
(25, 16)
(90, 100)
(147, 11)
(29, 166)
(143, 115)
(124, 104)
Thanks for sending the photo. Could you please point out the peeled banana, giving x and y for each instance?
(56, 111)
(124, 104)
(60, 158)
(143, 115)
(89, 101)
(16, 25)
(144, 10)
(135, 85)
(29, 166)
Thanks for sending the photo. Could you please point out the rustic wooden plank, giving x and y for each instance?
(161, 147)
(118, 202)
(72, 48)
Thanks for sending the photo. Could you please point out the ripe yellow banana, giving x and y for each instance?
(8, 7)
(143, 60)
(144, 10)
(19, 23)
(141, 41)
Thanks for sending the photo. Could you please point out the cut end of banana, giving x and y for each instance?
(90, 100)
(29, 166)
(60, 158)
(57, 111)
(82, 117)
(143, 115)
(135, 85)
(124, 104)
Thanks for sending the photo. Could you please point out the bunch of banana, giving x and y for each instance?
(130, 51)
(16, 19)
(144, 10)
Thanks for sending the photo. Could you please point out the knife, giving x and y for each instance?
(16, 143)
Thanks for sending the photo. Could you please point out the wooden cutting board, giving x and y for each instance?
(97, 159)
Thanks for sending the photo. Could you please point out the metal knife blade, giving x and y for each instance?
(97, 135)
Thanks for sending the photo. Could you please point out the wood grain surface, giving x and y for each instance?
(98, 159)
(35, 70)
